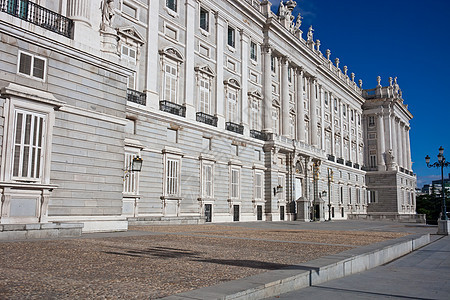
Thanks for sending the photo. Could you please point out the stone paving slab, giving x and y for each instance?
(151, 262)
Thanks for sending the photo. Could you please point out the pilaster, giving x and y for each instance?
(284, 97)
(267, 89)
(333, 129)
(400, 143)
(153, 68)
(408, 149)
(300, 107)
(220, 27)
(189, 80)
(380, 140)
(322, 117)
(313, 111)
(244, 82)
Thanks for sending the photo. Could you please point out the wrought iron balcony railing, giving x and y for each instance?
(331, 157)
(136, 97)
(38, 15)
(207, 119)
(234, 127)
(356, 166)
(349, 163)
(340, 160)
(258, 135)
(172, 108)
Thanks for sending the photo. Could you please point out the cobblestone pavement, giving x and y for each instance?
(156, 261)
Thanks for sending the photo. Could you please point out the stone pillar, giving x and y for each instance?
(333, 130)
(394, 146)
(380, 140)
(80, 12)
(341, 121)
(349, 126)
(313, 111)
(244, 82)
(284, 97)
(322, 116)
(408, 150)
(220, 28)
(267, 89)
(300, 107)
(189, 80)
(400, 143)
(404, 147)
(152, 57)
(357, 137)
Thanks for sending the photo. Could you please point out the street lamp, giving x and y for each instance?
(330, 179)
(441, 163)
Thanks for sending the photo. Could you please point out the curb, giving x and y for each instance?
(314, 272)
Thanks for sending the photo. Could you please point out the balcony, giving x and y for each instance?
(340, 161)
(207, 119)
(172, 108)
(136, 97)
(356, 166)
(230, 126)
(331, 157)
(38, 15)
(258, 135)
(349, 163)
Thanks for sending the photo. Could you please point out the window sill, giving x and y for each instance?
(205, 32)
(171, 12)
(231, 48)
(28, 185)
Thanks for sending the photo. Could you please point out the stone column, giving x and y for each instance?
(267, 89)
(404, 147)
(284, 97)
(220, 28)
(313, 111)
(300, 107)
(394, 137)
(189, 80)
(322, 116)
(333, 130)
(349, 126)
(80, 12)
(341, 121)
(380, 140)
(408, 150)
(357, 136)
(244, 82)
(152, 57)
(400, 143)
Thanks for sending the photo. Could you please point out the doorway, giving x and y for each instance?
(208, 212)
(235, 213)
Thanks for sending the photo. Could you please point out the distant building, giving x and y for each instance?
(237, 115)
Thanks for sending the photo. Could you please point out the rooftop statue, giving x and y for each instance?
(310, 33)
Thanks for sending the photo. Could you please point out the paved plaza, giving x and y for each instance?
(158, 261)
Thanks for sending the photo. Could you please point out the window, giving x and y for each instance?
(335, 105)
(292, 126)
(371, 121)
(31, 66)
(29, 128)
(253, 51)
(206, 143)
(204, 95)
(172, 4)
(235, 183)
(372, 161)
(131, 83)
(129, 10)
(235, 149)
(170, 82)
(272, 63)
(131, 179)
(231, 37)
(204, 19)
(207, 180)
(344, 110)
(258, 185)
(172, 135)
(258, 155)
(290, 75)
(255, 114)
(232, 105)
(172, 176)
(373, 197)
(276, 120)
(326, 99)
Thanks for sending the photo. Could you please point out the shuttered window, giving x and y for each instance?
(31, 66)
(172, 177)
(170, 83)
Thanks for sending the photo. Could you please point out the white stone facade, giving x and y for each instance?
(236, 115)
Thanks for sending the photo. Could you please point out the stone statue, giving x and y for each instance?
(318, 45)
(298, 22)
(379, 80)
(389, 157)
(281, 10)
(345, 70)
(310, 34)
(328, 54)
(360, 83)
(353, 77)
(107, 7)
(396, 86)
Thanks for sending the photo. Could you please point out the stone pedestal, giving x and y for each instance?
(109, 42)
(443, 227)
(303, 213)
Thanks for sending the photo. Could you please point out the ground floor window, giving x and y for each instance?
(259, 212)
(208, 212)
(235, 213)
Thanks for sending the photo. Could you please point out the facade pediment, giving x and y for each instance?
(233, 83)
(131, 33)
(172, 53)
(256, 94)
(205, 69)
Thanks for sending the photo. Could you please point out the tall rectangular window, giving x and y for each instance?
(131, 180)
(255, 114)
(276, 120)
(253, 51)
(231, 37)
(29, 128)
(170, 83)
(172, 177)
(204, 19)
(258, 185)
(207, 178)
(235, 182)
(128, 53)
(172, 4)
(31, 66)
(204, 94)
(232, 105)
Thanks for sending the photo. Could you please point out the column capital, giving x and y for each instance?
(285, 59)
(299, 70)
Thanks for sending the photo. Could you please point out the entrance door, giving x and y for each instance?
(259, 212)
(281, 213)
(208, 212)
(235, 213)
(298, 188)
(317, 212)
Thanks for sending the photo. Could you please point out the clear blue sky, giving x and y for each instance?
(407, 39)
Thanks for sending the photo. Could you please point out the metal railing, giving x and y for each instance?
(331, 157)
(258, 135)
(38, 15)
(172, 108)
(136, 97)
(356, 166)
(230, 126)
(207, 119)
(340, 160)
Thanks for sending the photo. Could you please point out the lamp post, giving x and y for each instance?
(441, 163)
(330, 179)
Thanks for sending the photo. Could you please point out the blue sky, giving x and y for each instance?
(407, 39)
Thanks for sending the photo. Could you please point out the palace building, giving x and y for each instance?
(124, 112)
